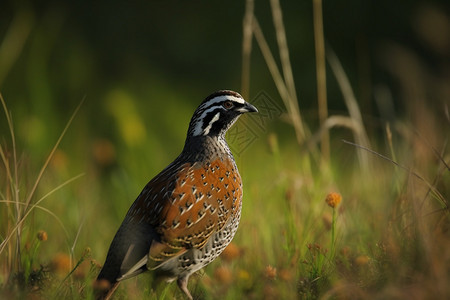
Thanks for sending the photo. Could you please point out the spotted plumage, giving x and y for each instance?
(187, 214)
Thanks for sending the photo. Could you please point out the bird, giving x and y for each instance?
(187, 214)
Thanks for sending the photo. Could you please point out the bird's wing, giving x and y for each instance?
(202, 199)
(185, 204)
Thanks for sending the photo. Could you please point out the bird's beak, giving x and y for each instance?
(247, 108)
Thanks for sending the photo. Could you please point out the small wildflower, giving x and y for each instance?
(270, 272)
(42, 235)
(231, 252)
(362, 260)
(102, 285)
(223, 274)
(86, 252)
(286, 275)
(333, 199)
(104, 152)
(243, 275)
(95, 264)
(61, 263)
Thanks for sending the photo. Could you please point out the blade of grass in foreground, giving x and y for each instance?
(52, 152)
(23, 209)
(430, 186)
(35, 205)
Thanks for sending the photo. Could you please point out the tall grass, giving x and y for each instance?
(388, 238)
(285, 84)
(321, 76)
(408, 222)
(17, 251)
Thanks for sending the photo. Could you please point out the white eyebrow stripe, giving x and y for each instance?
(214, 119)
(223, 98)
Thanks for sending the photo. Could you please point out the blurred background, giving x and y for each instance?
(140, 68)
(170, 54)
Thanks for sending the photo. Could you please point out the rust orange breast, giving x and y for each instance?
(204, 197)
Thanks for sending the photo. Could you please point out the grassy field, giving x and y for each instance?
(388, 237)
(356, 207)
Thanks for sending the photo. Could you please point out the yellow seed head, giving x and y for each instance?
(243, 275)
(333, 199)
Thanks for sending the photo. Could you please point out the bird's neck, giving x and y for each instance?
(197, 147)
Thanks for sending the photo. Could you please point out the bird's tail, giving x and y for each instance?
(130, 245)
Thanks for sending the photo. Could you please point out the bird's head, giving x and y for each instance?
(217, 113)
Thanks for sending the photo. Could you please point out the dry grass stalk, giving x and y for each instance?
(23, 207)
(12, 188)
(247, 47)
(285, 84)
(352, 106)
(290, 104)
(332, 122)
(292, 101)
(321, 76)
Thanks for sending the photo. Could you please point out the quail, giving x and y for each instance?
(188, 213)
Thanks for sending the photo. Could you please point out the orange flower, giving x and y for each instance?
(333, 199)
(61, 263)
(104, 152)
(362, 260)
(231, 252)
(102, 285)
(223, 274)
(286, 275)
(270, 272)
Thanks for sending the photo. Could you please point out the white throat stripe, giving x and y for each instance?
(199, 126)
(214, 119)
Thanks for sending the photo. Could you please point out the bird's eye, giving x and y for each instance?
(227, 104)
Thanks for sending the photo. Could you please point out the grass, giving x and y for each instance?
(387, 238)
(19, 247)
